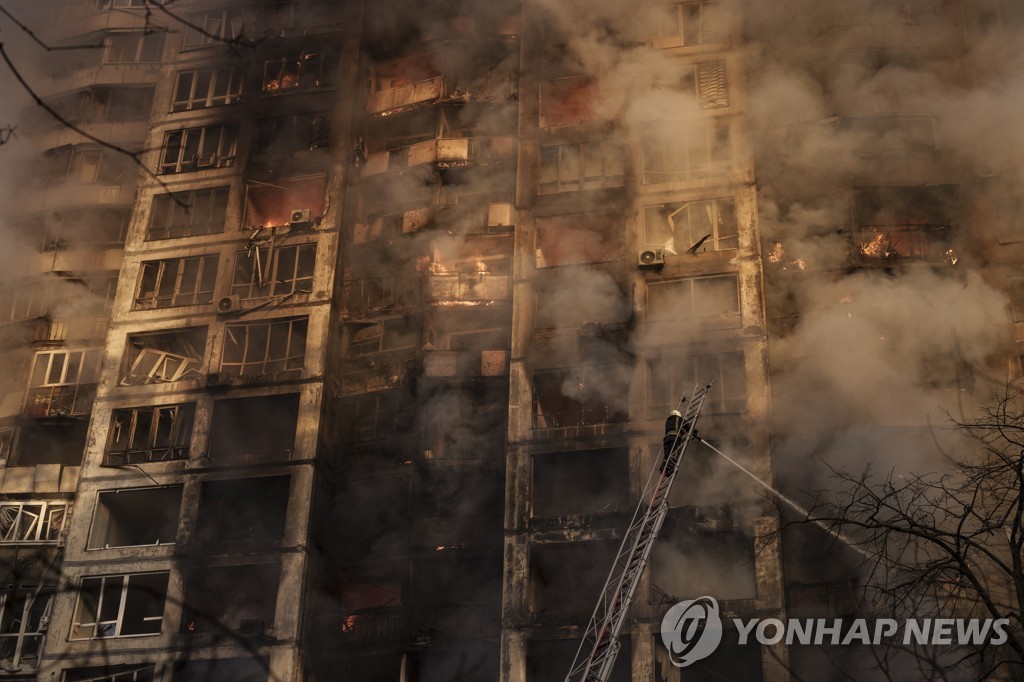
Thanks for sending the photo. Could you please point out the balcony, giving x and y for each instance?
(59, 401)
(467, 289)
(440, 364)
(401, 97)
(377, 372)
(381, 295)
(422, 626)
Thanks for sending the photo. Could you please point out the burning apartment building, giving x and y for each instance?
(359, 372)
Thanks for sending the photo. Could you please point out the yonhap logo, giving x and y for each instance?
(691, 630)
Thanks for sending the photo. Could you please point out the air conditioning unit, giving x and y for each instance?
(228, 304)
(652, 258)
(252, 627)
(299, 219)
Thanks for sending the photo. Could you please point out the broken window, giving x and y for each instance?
(192, 149)
(267, 271)
(257, 348)
(242, 513)
(163, 357)
(574, 167)
(581, 396)
(691, 226)
(377, 417)
(150, 434)
(32, 521)
(392, 334)
(906, 222)
(686, 154)
(134, 47)
(62, 382)
(405, 81)
(585, 482)
(120, 605)
(688, 563)
(548, 659)
(579, 238)
(729, 661)
(50, 442)
(24, 615)
(569, 101)
(136, 517)
(689, 23)
(249, 669)
(176, 282)
(382, 294)
(670, 377)
(239, 599)
(232, 432)
(220, 26)
(302, 72)
(188, 214)
(714, 301)
(113, 673)
(295, 133)
(567, 577)
(275, 203)
(892, 136)
(209, 87)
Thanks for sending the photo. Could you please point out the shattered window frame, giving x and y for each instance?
(117, 591)
(160, 365)
(689, 288)
(249, 283)
(679, 238)
(242, 342)
(725, 372)
(591, 409)
(154, 433)
(688, 154)
(207, 87)
(24, 615)
(176, 282)
(205, 210)
(202, 148)
(310, 70)
(40, 521)
(581, 166)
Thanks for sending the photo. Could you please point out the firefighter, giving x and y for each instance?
(675, 428)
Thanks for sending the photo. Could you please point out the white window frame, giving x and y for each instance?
(683, 237)
(233, 75)
(276, 282)
(34, 521)
(198, 224)
(21, 617)
(688, 370)
(224, 155)
(106, 629)
(177, 268)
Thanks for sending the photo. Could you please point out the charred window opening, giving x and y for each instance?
(61, 442)
(249, 669)
(580, 238)
(729, 661)
(724, 371)
(232, 432)
(388, 225)
(271, 204)
(449, 431)
(461, 492)
(106, 104)
(188, 214)
(687, 563)
(686, 154)
(585, 482)
(401, 82)
(242, 513)
(24, 615)
(302, 72)
(94, 228)
(289, 134)
(135, 517)
(22, 522)
(575, 167)
(713, 301)
(376, 417)
(240, 599)
(387, 335)
(265, 348)
(566, 577)
(569, 101)
(581, 396)
(382, 294)
(176, 282)
(112, 673)
(194, 149)
(150, 434)
(365, 525)
(572, 298)
(62, 383)
(163, 357)
(548, 659)
(134, 47)
(679, 227)
(906, 222)
(120, 606)
(689, 23)
(210, 87)
(263, 272)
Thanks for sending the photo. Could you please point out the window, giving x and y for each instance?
(188, 214)
(242, 513)
(585, 482)
(240, 599)
(232, 432)
(61, 382)
(176, 282)
(708, 83)
(382, 294)
(686, 154)
(94, 227)
(135, 47)
(136, 517)
(50, 442)
(714, 300)
(725, 372)
(688, 23)
(306, 71)
(374, 417)
(264, 347)
(90, 165)
(121, 4)
(565, 577)
(32, 521)
(201, 88)
(23, 617)
(194, 149)
(120, 605)
(906, 222)
(574, 167)
(678, 227)
(220, 26)
(581, 396)
(249, 669)
(578, 238)
(281, 271)
(273, 203)
(115, 673)
(569, 101)
(892, 136)
(163, 357)
(106, 104)
(26, 301)
(391, 334)
(150, 434)
(288, 134)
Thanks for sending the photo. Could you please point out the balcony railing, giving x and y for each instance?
(60, 401)
(402, 96)
(382, 295)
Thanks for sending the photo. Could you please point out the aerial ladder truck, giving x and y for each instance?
(600, 645)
